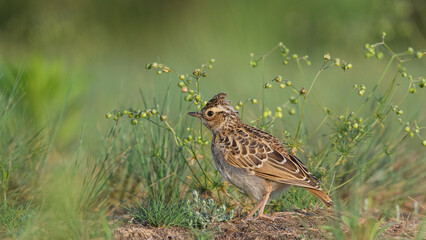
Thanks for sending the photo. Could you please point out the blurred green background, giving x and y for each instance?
(96, 51)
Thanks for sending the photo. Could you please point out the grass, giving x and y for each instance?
(367, 154)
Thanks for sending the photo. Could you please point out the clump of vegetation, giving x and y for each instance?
(195, 213)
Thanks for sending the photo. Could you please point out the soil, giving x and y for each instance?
(294, 224)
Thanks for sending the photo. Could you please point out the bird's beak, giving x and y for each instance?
(195, 114)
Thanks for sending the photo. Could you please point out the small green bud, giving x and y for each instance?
(143, 115)
(131, 115)
(253, 63)
(424, 143)
(279, 114)
(361, 92)
(421, 84)
(308, 63)
(188, 98)
(288, 83)
(407, 129)
(204, 74)
(210, 66)
(115, 118)
(189, 138)
(206, 143)
(292, 111)
(294, 56)
(412, 90)
(148, 66)
(337, 61)
(163, 118)
(125, 111)
(159, 72)
(404, 74)
(399, 112)
(419, 55)
(278, 79)
(303, 91)
(355, 86)
(349, 66)
(282, 85)
(379, 55)
(254, 101)
(191, 92)
(154, 64)
(134, 121)
(197, 98)
(279, 109)
(410, 50)
(181, 84)
(108, 115)
(285, 62)
(212, 60)
(154, 111)
(268, 85)
(293, 100)
(181, 77)
(237, 107)
(355, 126)
(363, 87)
(240, 103)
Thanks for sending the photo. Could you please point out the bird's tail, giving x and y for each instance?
(322, 196)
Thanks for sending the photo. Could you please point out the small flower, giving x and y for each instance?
(282, 85)
(327, 56)
(166, 69)
(196, 72)
(303, 91)
(279, 114)
(355, 126)
(184, 89)
(163, 118)
(267, 113)
(154, 64)
(181, 77)
(204, 74)
(254, 101)
(154, 111)
(407, 129)
(288, 83)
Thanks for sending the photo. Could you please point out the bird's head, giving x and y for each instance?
(217, 113)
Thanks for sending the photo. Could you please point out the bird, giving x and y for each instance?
(253, 160)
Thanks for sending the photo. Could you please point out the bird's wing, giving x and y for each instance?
(263, 155)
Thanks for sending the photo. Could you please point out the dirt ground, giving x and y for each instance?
(290, 225)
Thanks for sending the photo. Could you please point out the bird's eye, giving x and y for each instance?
(210, 113)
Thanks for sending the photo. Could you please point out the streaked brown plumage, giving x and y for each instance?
(251, 159)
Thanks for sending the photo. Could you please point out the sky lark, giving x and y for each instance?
(251, 159)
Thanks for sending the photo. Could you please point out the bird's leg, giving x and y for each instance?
(263, 204)
(250, 215)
